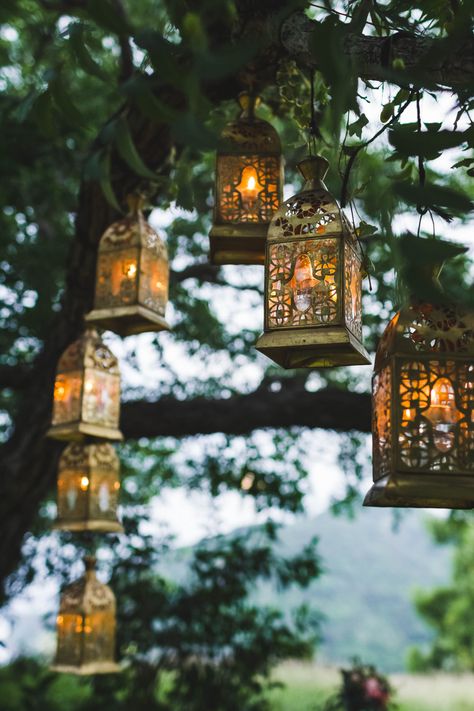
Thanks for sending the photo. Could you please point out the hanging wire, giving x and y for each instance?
(313, 130)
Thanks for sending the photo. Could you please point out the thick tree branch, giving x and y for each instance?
(372, 57)
(291, 406)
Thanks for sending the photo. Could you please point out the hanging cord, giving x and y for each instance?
(421, 210)
(313, 130)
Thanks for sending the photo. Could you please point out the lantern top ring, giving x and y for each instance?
(314, 168)
(248, 102)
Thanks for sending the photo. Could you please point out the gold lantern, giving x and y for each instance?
(86, 627)
(132, 277)
(423, 410)
(88, 488)
(313, 287)
(249, 180)
(86, 391)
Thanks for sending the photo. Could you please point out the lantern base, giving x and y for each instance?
(321, 347)
(238, 244)
(430, 491)
(87, 669)
(99, 526)
(79, 431)
(127, 320)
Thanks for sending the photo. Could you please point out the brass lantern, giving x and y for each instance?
(249, 180)
(423, 410)
(312, 280)
(132, 277)
(86, 391)
(88, 488)
(86, 627)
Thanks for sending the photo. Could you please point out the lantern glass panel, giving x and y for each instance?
(353, 290)
(69, 645)
(67, 397)
(249, 188)
(73, 494)
(154, 279)
(117, 277)
(381, 427)
(101, 399)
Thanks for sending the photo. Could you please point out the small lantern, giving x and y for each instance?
(249, 179)
(423, 410)
(86, 627)
(132, 277)
(86, 391)
(313, 290)
(88, 488)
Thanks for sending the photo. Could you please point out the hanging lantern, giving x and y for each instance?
(313, 295)
(88, 488)
(86, 627)
(423, 405)
(132, 277)
(86, 391)
(249, 180)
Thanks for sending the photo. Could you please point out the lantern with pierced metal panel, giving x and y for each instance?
(132, 277)
(423, 410)
(86, 391)
(313, 293)
(249, 180)
(86, 627)
(88, 488)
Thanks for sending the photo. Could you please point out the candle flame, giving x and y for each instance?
(84, 483)
(251, 183)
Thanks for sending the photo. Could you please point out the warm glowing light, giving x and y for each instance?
(247, 481)
(249, 188)
(88, 386)
(116, 485)
(84, 483)
(443, 414)
(303, 282)
(60, 619)
(130, 270)
(59, 391)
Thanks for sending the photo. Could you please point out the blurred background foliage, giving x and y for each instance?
(71, 74)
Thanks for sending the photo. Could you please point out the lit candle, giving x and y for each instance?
(443, 414)
(303, 282)
(84, 483)
(249, 189)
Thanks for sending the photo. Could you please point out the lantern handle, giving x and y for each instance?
(248, 102)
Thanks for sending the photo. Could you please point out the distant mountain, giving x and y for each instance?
(372, 566)
(371, 571)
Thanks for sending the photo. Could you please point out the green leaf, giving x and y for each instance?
(365, 230)
(138, 89)
(355, 128)
(106, 183)
(82, 55)
(192, 132)
(226, 61)
(66, 107)
(128, 152)
(409, 141)
(387, 112)
(161, 53)
(434, 197)
(104, 13)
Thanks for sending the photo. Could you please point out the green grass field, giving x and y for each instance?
(307, 686)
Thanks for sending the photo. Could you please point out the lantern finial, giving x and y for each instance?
(314, 168)
(248, 102)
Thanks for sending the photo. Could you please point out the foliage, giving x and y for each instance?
(362, 689)
(84, 85)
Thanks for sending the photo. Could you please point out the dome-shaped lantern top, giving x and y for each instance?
(423, 404)
(132, 277)
(313, 292)
(249, 183)
(86, 391)
(86, 627)
(88, 488)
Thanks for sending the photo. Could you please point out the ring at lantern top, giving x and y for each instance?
(249, 180)
(86, 627)
(131, 290)
(313, 291)
(423, 409)
(86, 391)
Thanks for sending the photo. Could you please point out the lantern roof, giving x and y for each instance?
(87, 456)
(87, 595)
(89, 351)
(132, 231)
(427, 328)
(248, 133)
(311, 212)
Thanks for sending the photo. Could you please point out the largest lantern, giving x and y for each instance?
(423, 410)
(312, 280)
(86, 391)
(86, 627)
(249, 179)
(132, 277)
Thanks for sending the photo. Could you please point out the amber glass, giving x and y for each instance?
(249, 179)
(88, 488)
(313, 290)
(423, 400)
(86, 391)
(86, 627)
